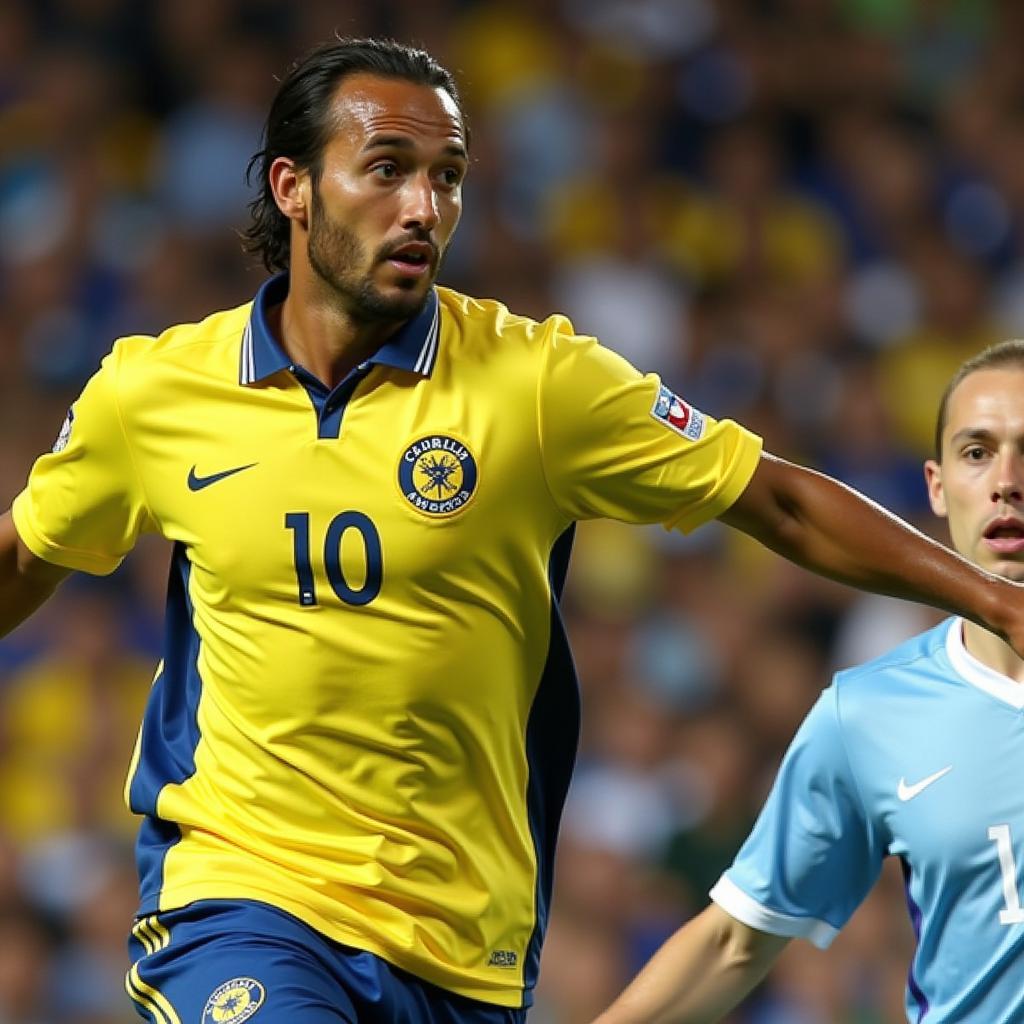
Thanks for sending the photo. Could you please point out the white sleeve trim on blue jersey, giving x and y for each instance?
(735, 902)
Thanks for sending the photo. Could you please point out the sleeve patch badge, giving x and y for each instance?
(671, 410)
(65, 433)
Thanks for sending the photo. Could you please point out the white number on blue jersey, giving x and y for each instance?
(1013, 914)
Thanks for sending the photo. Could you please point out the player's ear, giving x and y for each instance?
(933, 480)
(290, 187)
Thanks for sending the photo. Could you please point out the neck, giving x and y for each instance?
(318, 333)
(992, 652)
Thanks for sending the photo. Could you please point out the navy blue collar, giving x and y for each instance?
(413, 347)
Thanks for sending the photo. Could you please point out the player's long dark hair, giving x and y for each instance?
(299, 124)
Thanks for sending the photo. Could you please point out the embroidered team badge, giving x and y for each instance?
(437, 475)
(234, 1002)
(675, 413)
(65, 433)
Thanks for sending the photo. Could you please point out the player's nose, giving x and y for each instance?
(419, 203)
(1009, 482)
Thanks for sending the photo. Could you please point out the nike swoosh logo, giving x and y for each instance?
(197, 483)
(905, 792)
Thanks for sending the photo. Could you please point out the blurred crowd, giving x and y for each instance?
(804, 214)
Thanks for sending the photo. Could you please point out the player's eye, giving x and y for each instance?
(386, 169)
(451, 177)
(975, 453)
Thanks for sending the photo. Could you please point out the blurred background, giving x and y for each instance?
(803, 213)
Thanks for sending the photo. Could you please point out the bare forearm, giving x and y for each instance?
(822, 525)
(25, 581)
(700, 974)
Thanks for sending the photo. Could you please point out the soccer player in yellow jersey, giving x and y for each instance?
(359, 739)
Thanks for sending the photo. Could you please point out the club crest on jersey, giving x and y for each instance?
(65, 433)
(675, 413)
(234, 1002)
(437, 475)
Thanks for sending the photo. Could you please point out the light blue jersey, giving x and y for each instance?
(918, 755)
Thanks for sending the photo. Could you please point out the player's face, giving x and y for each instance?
(390, 196)
(979, 484)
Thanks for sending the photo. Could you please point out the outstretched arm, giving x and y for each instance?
(826, 526)
(25, 580)
(700, 974)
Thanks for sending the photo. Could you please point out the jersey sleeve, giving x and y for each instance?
(83, 506)
(617, 443)
(814, 853)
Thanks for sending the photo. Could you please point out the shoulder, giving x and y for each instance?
(182, 341)
(919, 666)
(482, 320)
(146, 361)
(917, 655)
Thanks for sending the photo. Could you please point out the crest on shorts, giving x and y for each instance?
(234, 1002)
(671, 410)
(65, 433)
(437, 475)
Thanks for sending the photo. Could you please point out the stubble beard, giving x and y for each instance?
(333, 251)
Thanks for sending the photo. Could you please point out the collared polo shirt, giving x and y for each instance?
(366, 713)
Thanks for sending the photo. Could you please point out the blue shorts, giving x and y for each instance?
(227, 961)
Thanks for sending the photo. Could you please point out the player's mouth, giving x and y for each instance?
(414, 259)
(1005, 535)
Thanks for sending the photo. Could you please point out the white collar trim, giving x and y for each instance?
(994, 683)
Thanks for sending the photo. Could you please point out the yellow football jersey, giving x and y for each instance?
(366, 712)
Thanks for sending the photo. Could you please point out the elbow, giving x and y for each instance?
(743, 949)
(771, 509)
(737, 947)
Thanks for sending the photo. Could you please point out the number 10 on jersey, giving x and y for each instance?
(299, 524)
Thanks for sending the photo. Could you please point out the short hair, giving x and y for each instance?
(1002, 353)
(298, 125)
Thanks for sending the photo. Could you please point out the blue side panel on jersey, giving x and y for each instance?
(915, 919)
(170, 731)
(558, 563)
(552, 735)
